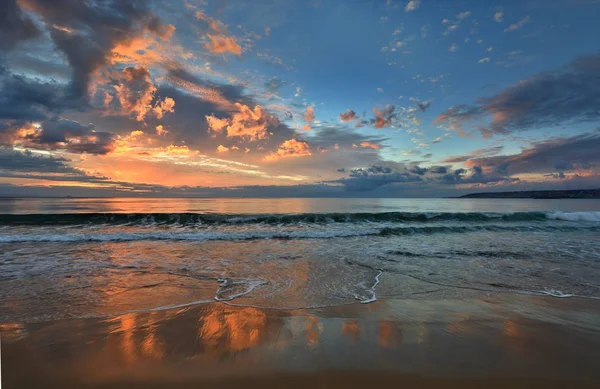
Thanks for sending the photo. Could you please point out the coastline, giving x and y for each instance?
(500, 341)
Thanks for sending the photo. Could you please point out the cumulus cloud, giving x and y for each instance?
(499, 16)
(162, 107)
(247, 123)
(484, 60)
(562, 96)
(290, 148)
(135, 91)
(367, 179)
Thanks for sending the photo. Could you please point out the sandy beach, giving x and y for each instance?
(503, 341)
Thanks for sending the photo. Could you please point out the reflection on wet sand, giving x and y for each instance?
(213, 342)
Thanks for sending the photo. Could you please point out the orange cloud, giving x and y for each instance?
(267, 31)
(383, 118)
(251, 123)
(173, 149)
(222, 149)
(309, 115)
(290, 148)
(136, 91)
(223, 44)
(348, 116)
(215, 124)
(162, 107)
(160, 130)
(369, 145)
(212, 23)
(306, 127)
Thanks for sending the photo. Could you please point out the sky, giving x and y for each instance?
(302, 98)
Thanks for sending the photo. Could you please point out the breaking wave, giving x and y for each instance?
(194, 219)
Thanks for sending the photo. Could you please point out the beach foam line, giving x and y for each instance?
(283, 235)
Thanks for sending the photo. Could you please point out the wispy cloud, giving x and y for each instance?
(518, 25)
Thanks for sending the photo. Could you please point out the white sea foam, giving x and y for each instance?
(575, 216)
(372, 290)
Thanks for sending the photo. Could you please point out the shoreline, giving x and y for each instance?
(520, 341)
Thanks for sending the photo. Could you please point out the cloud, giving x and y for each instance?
(477, 176)
(518, 25)
(160, 130)
(499, 16)
(376, 176)
(412, 5)
(484, 60)
(87, 32)
(135, 91)
(306, 127)
(248, 123)
(58, 134)
(213, 24)
(383, 118)
(289, 148)
(453, 47)
(369, 145)
(576, 153)
(485, 152)
(162, 107)
(222, 44)
(348, 116)
(14, 161)
(463, 15)
(15, 26)
(563, 96)
(222, 149)
(309, 115)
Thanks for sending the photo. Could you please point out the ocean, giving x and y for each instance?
(95, 258)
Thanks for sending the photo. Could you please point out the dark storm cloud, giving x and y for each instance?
(25, 164)
(376, 176)
(419, 170)
(563, 154)
(477, 177)
(566, 95)
(86, 31)
(15, 26)
(22, 98)
(58, 134)
(438, 170)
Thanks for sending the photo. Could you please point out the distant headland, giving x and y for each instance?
(537, 194)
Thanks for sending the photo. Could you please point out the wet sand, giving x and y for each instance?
(499, 342)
